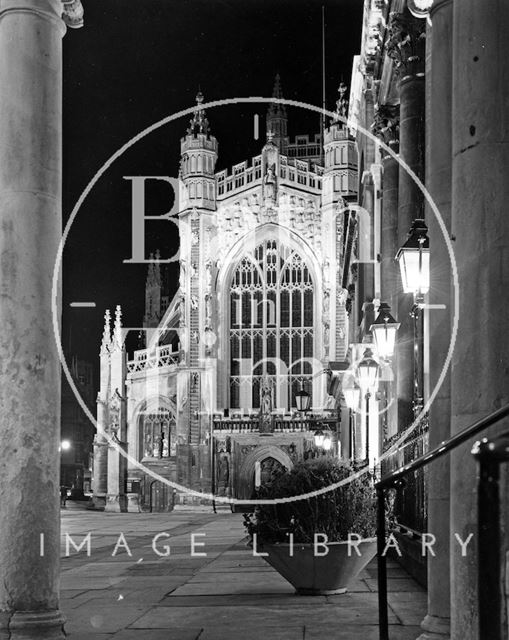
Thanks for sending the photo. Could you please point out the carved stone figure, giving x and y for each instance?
(265, 406)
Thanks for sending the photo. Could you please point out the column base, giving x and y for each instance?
(33, 625)
(116, 503)
(97, 503)
(435, 628)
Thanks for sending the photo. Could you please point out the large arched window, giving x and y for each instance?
(271, 327)
(157, 434)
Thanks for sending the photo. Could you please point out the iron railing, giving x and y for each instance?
(490, 454)
(410, 505)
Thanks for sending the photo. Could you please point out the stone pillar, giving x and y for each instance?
(436, 624)
(386, 126)
(100, 482)
(480, 225)
(100, 479)
(406, 47)
(116, 498)
(30, 213)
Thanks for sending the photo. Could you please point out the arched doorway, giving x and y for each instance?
(267, 471)
(273, 457)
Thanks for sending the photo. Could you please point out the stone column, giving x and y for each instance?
(30, 215)
(386, 127)
(100, 479)
(480, 225)
(116, 498)
(438, 182)
(406, 47)
(100, 482)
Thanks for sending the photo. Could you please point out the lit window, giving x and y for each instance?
(271, 327)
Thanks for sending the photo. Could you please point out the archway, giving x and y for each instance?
(246, 479)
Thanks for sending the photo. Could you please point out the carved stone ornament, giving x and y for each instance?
(72, 13)
(405, 44)
(386, 125)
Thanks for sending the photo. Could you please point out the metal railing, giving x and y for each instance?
(489, 454)
(410, 506)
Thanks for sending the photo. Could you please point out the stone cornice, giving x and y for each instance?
(406, 44)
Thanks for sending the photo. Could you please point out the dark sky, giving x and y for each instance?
(138, 61)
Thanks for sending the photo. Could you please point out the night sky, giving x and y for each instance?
(136, 62)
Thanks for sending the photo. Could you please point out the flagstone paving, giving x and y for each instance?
(124, 590)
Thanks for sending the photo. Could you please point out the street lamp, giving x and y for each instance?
(420, 8)
(367, 370)
(413, 258)
(319, 437)
(65, 445)
(302, 400)
(384, 332)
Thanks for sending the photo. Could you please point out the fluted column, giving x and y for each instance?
(386, 126)
(436, 624)
(406, 47)
(30, 218)
(480, 224)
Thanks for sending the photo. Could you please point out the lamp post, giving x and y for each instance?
(368, 376)
(319, 437)
(302, 401)
(413, 258)
(384, 330)
(352, 396)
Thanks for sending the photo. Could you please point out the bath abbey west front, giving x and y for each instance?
(260, 315)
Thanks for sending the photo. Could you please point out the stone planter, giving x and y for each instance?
(319, 575)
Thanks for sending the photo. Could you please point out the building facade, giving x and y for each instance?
(259, 316)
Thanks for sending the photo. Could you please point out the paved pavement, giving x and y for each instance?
(226, 595)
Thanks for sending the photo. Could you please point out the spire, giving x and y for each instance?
(154, 270)
(117, 329)
(157, 268)
(341, 104)
(277, 110)
(277, 121)
(106, 341)
(199, 121)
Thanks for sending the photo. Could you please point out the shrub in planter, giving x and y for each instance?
(291, 532)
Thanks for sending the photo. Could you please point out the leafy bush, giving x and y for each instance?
(349, 509)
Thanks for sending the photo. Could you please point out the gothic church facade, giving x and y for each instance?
(260, 314)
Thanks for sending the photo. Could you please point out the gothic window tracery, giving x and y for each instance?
(157, 434)
(271, 326)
